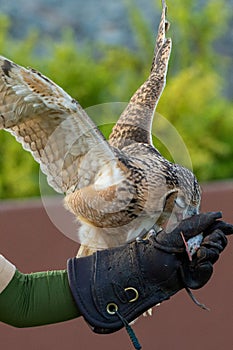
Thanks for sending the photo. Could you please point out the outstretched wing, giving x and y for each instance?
(134, 124)
(52, 126)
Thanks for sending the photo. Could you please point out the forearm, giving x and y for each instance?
(37, 299)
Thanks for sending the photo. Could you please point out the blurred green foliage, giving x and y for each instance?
(193, 100)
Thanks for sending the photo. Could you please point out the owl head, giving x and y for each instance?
(182, 199)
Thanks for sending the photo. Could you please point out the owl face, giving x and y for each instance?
(180, 204)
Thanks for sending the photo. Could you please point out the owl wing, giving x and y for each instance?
(52, 126)
(134, 124)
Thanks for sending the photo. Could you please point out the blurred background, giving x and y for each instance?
(100, 52)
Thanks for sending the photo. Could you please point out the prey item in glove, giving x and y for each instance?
(117, 285)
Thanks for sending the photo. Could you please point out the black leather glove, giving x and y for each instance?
(198, 272)
(117, 285)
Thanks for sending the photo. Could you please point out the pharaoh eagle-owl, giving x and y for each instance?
(117, 189)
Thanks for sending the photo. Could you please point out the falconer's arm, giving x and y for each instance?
(36, 299)
(41, 298)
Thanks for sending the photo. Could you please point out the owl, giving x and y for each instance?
(117, 189)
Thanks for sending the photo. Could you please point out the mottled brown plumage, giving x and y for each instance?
(117, 190)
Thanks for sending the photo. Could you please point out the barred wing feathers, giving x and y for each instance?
(52, 126)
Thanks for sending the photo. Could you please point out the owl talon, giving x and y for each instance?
(148, 312)
(144, 237)
(142, 240)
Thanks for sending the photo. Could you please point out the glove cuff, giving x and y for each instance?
(7, 271)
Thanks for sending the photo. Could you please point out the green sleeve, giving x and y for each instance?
(37, 299)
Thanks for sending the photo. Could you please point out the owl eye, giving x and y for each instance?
(180, 202)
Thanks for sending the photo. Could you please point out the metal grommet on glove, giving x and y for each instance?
(112, 308)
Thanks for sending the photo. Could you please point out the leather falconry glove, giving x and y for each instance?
(114, 286)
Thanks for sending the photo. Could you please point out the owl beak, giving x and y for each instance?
(191, 211)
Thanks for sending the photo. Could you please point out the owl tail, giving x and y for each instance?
(134, 124)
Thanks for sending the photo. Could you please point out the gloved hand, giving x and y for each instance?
(198, 272)
(119, 284)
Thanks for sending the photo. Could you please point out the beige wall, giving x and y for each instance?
(29, 239)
